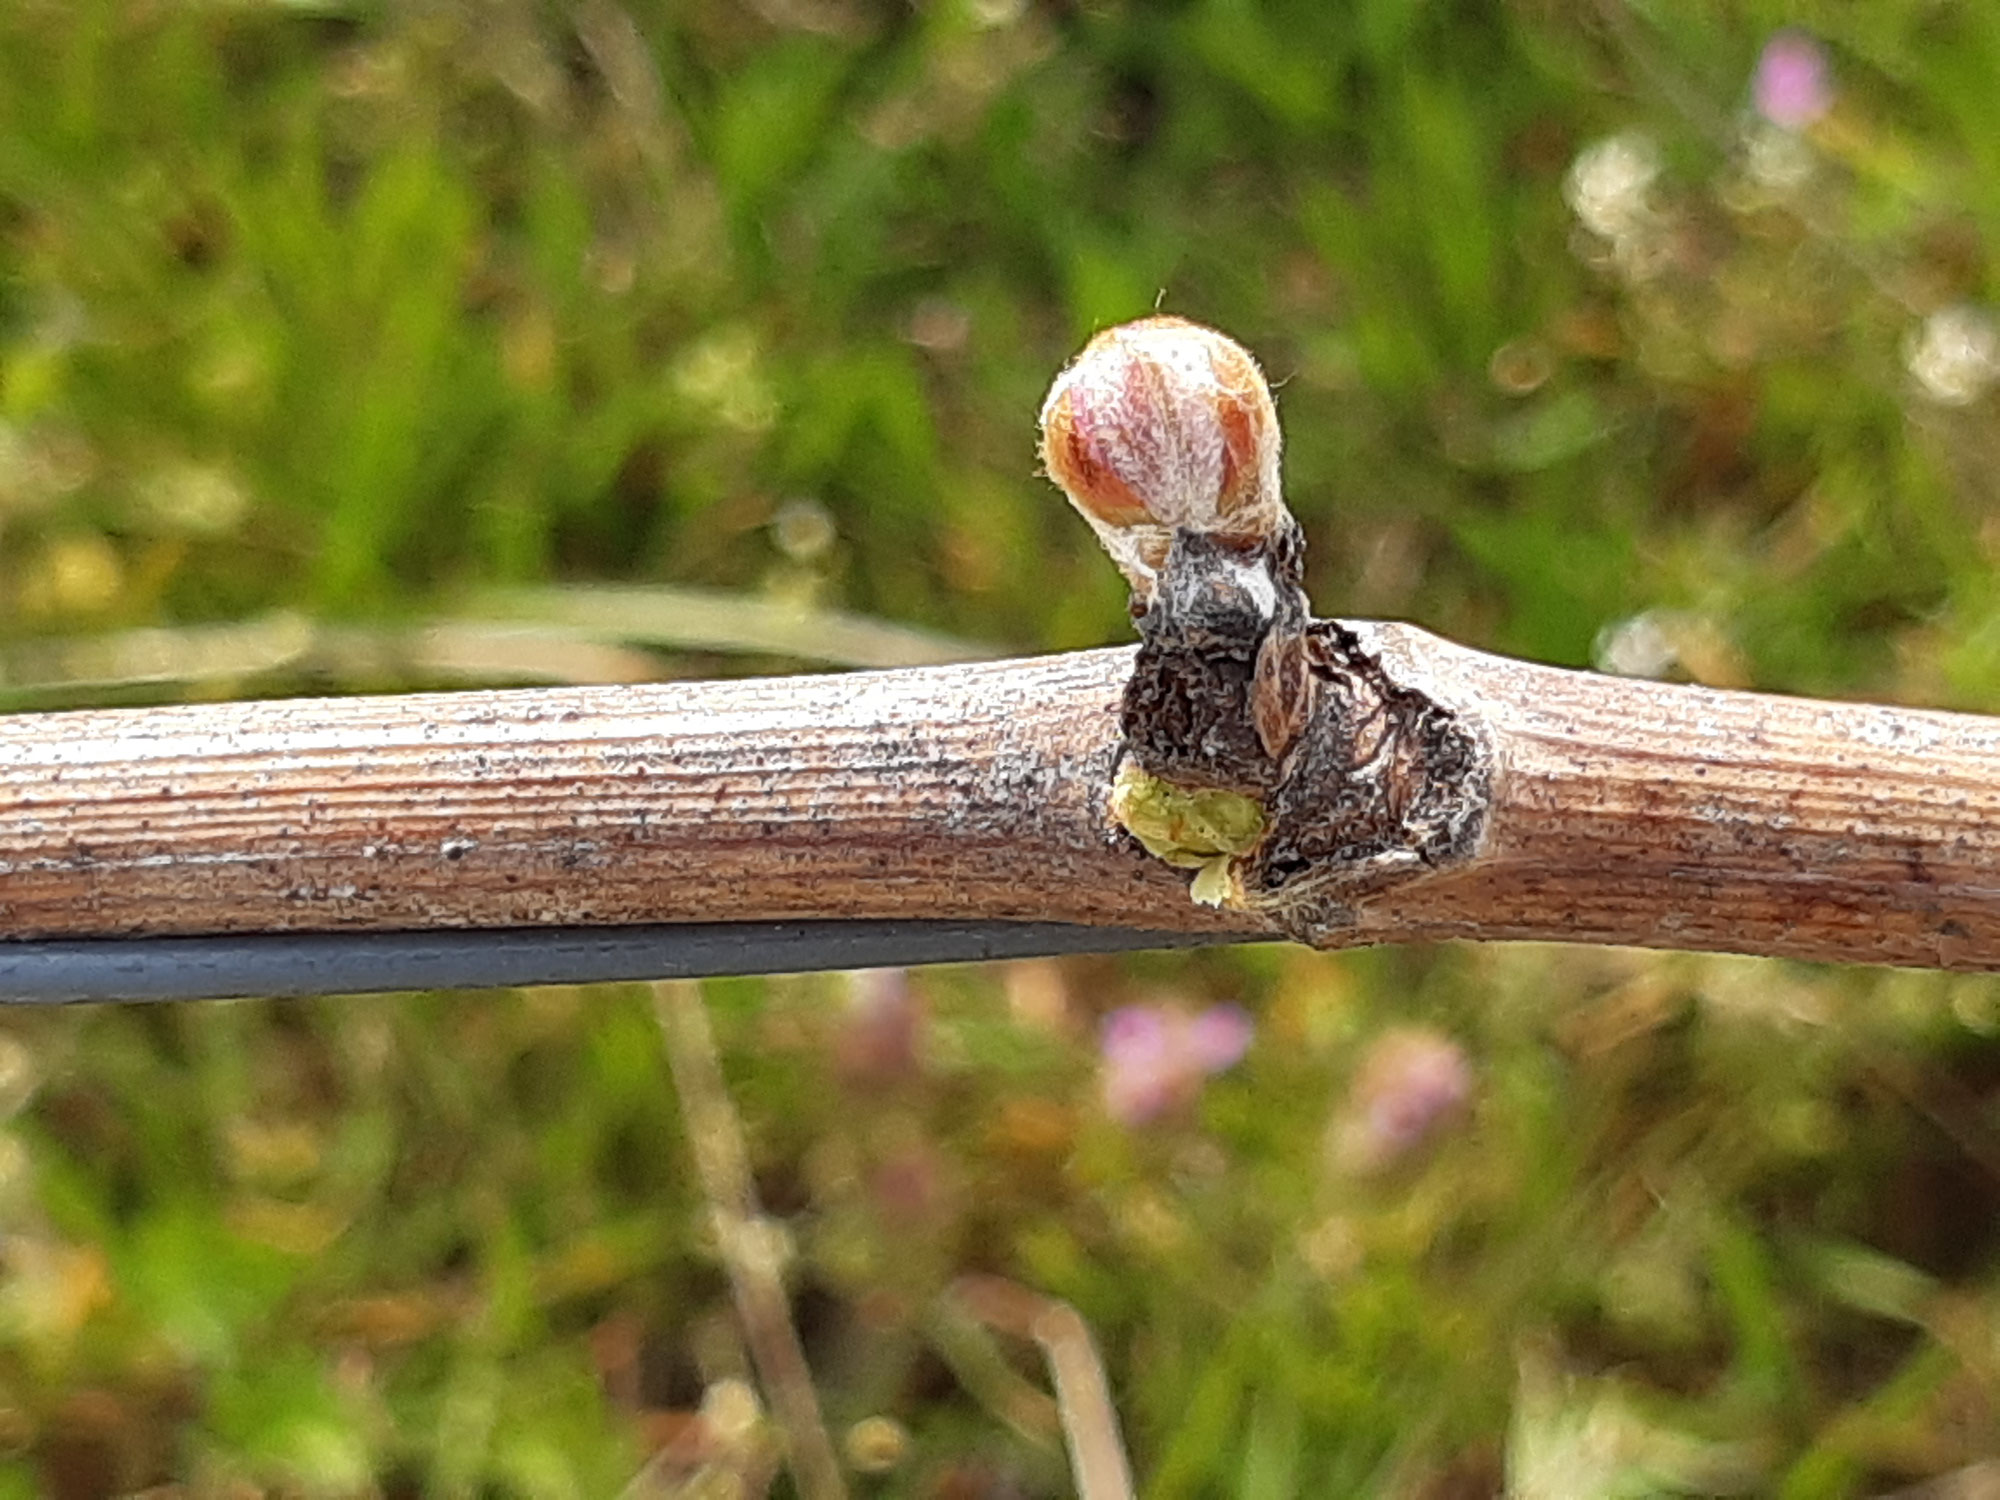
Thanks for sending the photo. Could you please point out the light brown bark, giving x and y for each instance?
(1620, 812)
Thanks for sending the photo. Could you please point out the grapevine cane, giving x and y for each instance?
(1247, 772)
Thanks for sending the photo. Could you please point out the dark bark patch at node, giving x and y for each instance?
(1365, 783)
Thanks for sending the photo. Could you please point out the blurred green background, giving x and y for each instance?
(364, 346)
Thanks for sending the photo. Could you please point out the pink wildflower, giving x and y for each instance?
(880, 1037)
(1793, 86)
(1412, 1083)
(1156, 1057)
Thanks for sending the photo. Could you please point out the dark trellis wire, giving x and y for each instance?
(294, 964)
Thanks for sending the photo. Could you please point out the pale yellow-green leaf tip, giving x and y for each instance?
(1193, 828)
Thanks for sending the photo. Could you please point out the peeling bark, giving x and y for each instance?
(1364, 782)
(1384, 785)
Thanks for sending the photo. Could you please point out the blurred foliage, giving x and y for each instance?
(351, 315)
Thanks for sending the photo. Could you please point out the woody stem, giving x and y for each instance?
(1612, 811)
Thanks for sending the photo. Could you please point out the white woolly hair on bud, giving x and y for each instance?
(1160, 425)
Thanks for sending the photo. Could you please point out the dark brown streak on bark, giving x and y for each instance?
(1189, 712)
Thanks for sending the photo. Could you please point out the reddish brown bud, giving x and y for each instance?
(1164, 424)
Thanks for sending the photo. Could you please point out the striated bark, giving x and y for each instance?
(1573, 807)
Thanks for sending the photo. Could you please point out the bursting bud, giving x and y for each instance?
(1164, 425)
